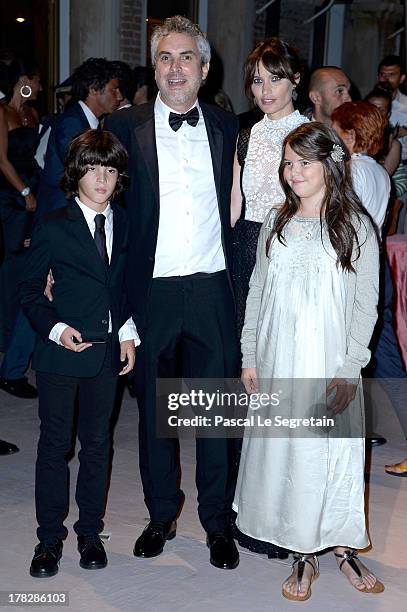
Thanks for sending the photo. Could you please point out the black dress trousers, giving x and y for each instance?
(190, 331)
(57, 395)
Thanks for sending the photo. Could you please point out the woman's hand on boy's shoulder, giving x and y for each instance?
(127, 353)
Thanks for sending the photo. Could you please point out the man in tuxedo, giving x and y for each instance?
(180, 168)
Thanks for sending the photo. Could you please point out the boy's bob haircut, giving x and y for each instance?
(94, 148)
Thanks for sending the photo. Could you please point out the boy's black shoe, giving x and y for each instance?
(92, 551)
(46, 558)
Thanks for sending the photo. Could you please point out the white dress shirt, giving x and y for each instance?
(371, 183)
(92, 119)
(42, 145)
(189, 231)
(398, 116)
(128, 331)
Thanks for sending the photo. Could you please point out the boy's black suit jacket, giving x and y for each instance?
(135, 128)
(84, 291)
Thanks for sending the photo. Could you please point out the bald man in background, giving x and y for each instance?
(329, 88)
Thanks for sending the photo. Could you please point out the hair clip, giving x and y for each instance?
(337, 153)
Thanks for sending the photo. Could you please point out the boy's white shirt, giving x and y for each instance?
(128, 331)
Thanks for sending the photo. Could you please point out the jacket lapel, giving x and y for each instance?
(85, 241)
(145, 136)
(119, 232)
(215, 138)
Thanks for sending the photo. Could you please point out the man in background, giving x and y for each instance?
(329, 88)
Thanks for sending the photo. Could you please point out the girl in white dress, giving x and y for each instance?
(310, 313)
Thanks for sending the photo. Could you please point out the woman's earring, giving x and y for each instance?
(26, 91)
(294, 94)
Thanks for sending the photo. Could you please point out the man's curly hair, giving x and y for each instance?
(95, 73)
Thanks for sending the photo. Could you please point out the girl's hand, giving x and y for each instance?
(249, 379)
(345, 393)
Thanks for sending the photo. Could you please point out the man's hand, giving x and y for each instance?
(48, 286)
(249, 379)
(127, 352)
(30, 203)
(345, 393)
(67, 342)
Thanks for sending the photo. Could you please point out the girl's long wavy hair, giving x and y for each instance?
(341, 208)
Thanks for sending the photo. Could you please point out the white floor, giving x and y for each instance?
(181, 579)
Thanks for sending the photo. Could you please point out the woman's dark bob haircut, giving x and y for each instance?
(277, 56)
(94, 148)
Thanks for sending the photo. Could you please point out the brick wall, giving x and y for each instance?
(132, 31)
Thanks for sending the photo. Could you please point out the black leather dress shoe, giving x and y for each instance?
(7, 448)
(224, 553)
(19, 387)
(152, 540)
(92, 551)
(45, 562)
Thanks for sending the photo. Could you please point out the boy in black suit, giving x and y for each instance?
(83, 335)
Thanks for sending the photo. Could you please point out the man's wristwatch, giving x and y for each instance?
(25, 192)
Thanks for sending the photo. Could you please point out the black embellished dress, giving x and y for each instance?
(16, 222)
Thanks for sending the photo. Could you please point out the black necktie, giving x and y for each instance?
(191, 117)
(100, 238)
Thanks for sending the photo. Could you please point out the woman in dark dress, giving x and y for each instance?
(19, 173)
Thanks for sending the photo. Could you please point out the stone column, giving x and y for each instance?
(94, 30)
(230, 32)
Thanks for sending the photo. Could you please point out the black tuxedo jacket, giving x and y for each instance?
(67, 126)
(84, 291)
(135, 127)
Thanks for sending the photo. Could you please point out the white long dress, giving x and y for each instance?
(302, 494)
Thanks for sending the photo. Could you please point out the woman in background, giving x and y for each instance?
(362, 127)
(19, 174)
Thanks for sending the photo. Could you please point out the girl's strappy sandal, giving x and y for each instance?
(302, 560)
(350, 557)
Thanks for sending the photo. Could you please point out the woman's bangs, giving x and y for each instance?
(274, 64)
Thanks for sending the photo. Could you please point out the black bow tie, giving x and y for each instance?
(191, 117)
